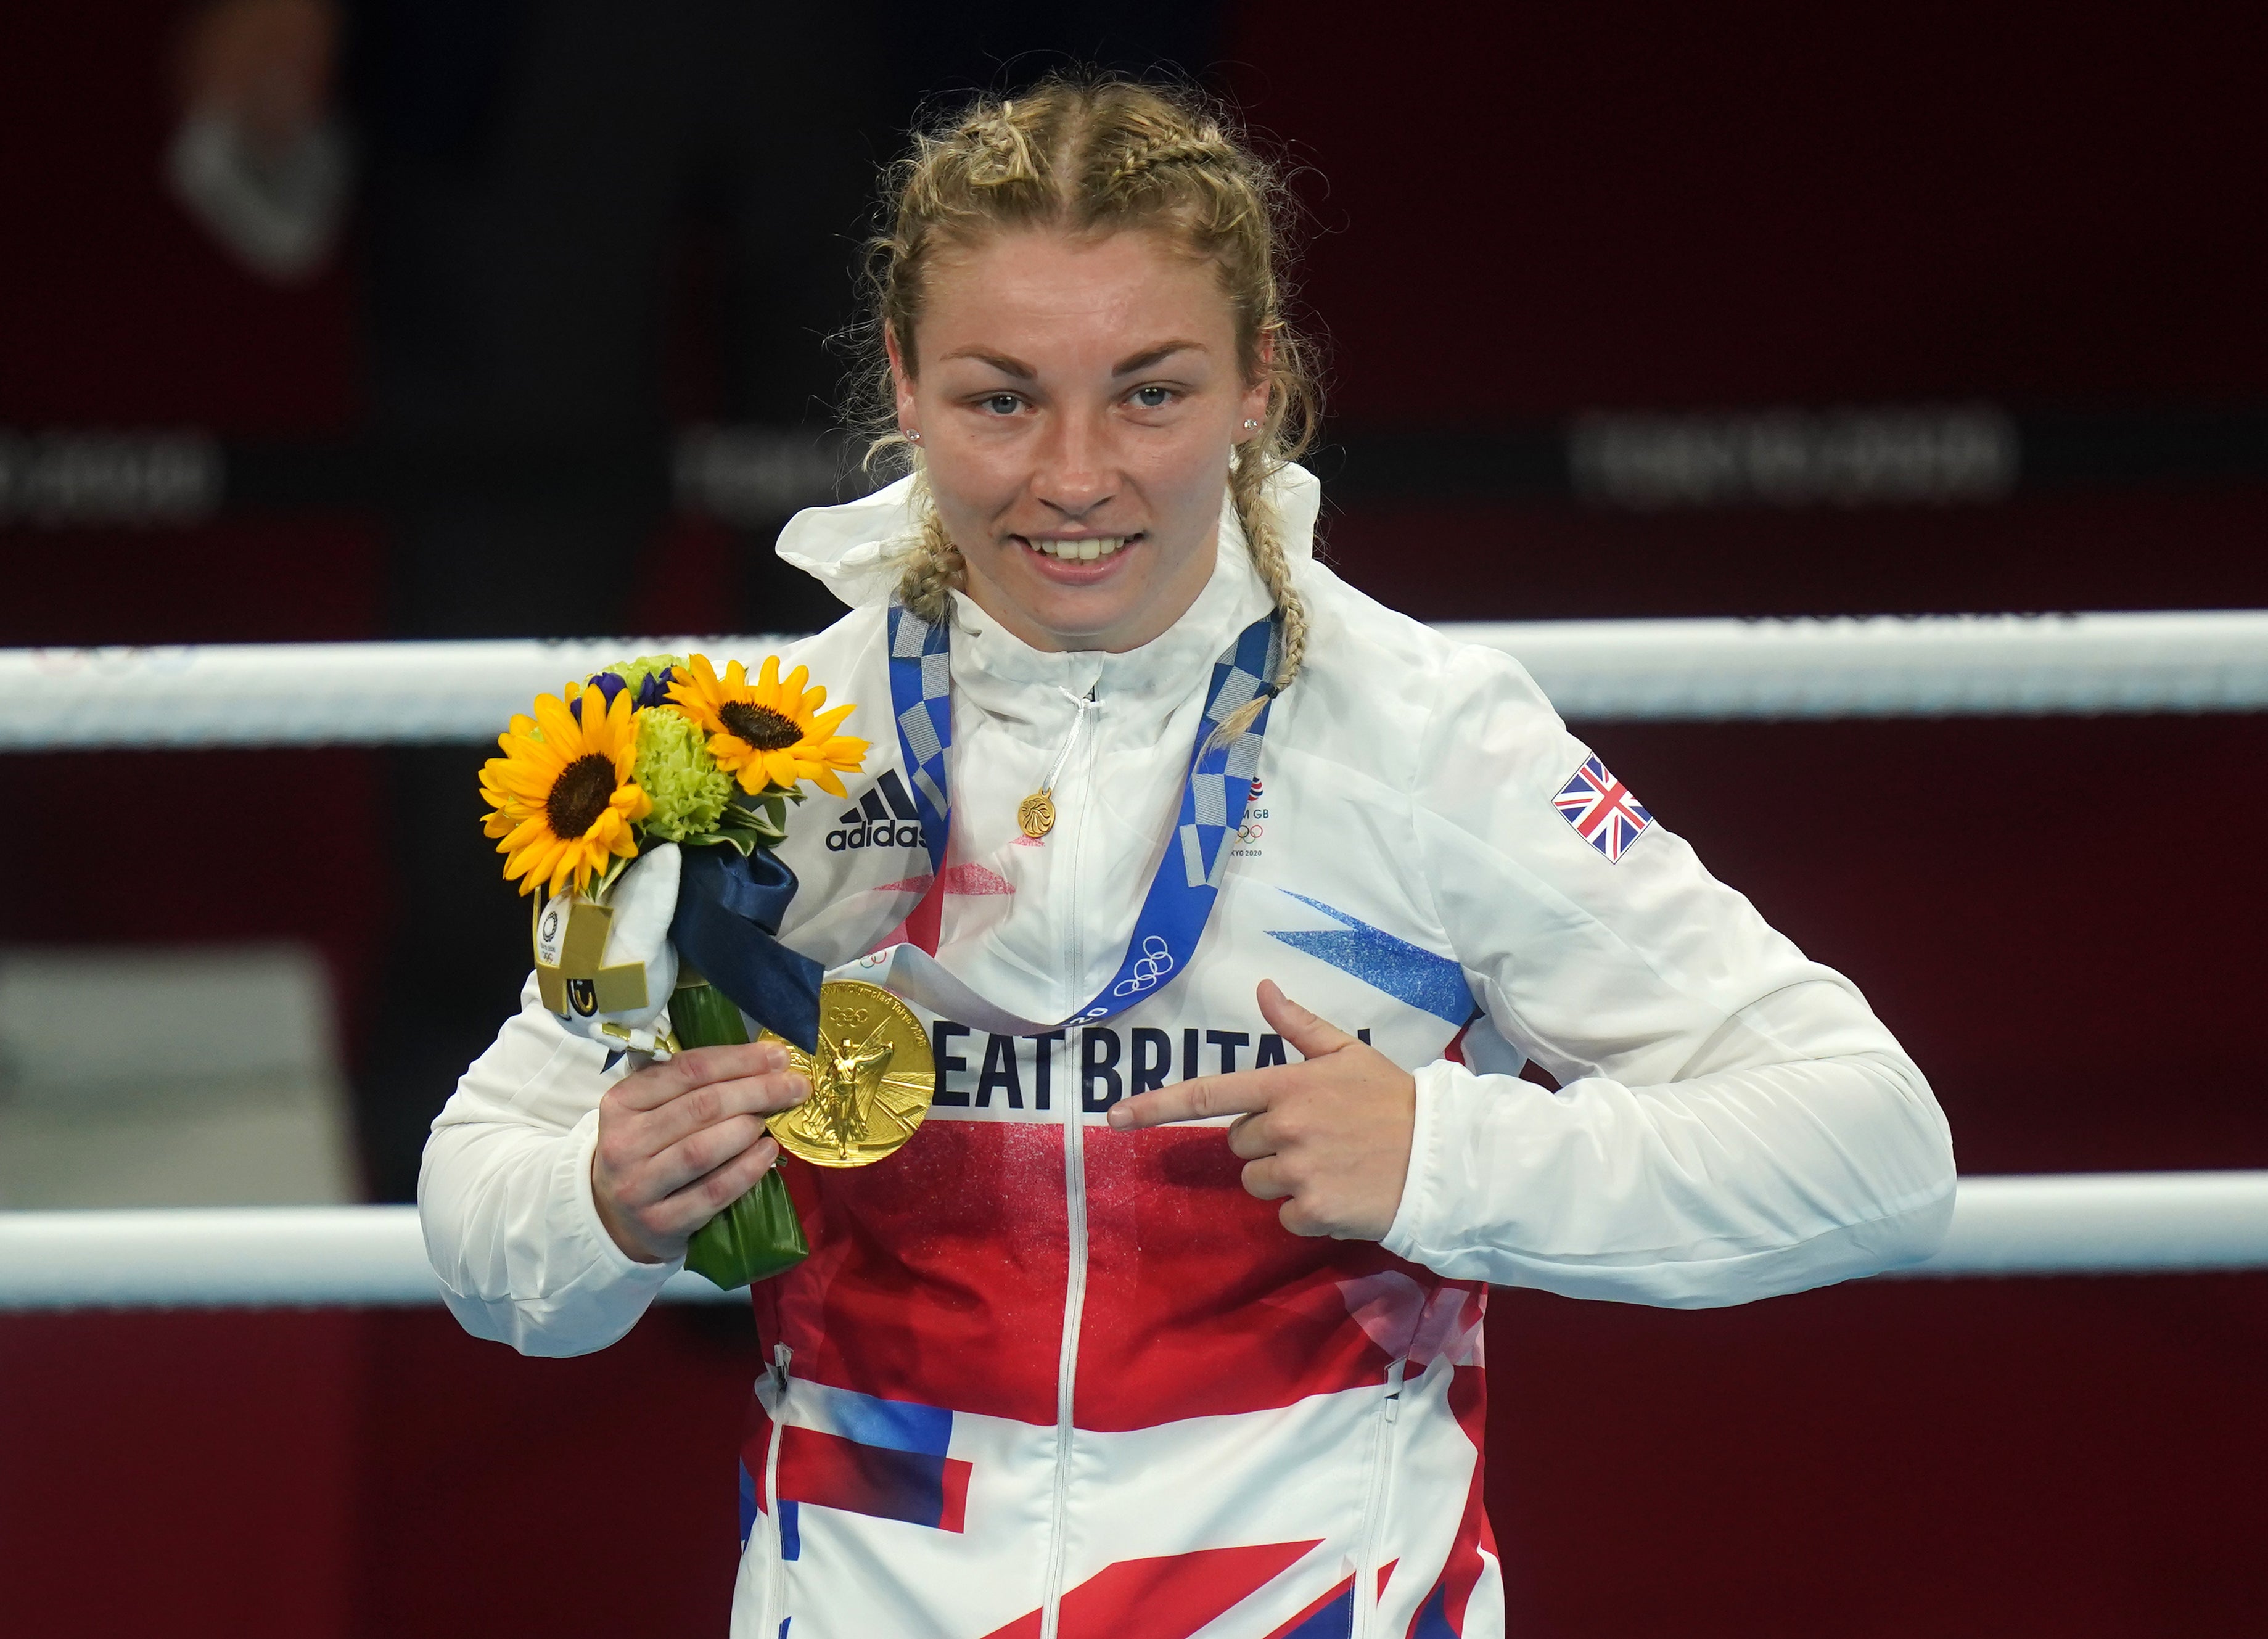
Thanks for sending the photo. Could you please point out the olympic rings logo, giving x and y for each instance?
(1150, 968)
(1250, 833)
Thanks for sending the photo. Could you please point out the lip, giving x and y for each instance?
(1078, 572)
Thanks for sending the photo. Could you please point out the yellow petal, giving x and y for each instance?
(563, 733)
(619, 714)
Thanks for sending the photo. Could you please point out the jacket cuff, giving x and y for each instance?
(1407, 1238)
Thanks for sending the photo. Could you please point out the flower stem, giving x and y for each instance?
(759, 1235)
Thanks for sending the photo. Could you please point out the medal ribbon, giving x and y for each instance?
(1214, 794)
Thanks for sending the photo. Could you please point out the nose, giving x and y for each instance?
(1075, 472)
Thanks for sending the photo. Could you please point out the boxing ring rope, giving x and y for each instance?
(301, 1257)
(1881, 666)
(302, 694)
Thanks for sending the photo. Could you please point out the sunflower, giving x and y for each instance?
(770, 732)
(562, 796)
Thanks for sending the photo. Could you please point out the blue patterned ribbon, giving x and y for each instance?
(1214, 794)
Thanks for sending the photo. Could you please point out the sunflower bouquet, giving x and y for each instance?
(639, 808)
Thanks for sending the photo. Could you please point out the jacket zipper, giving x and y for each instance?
(1075, 1220)
(775, 1599)
(1374, 1518)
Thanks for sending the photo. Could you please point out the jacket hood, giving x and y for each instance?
(856, 550)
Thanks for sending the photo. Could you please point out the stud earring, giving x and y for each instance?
(913, 436)
(1252, 426)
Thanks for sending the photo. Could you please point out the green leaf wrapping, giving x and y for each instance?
(759, 1235)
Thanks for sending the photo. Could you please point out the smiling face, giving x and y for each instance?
(1078, 400)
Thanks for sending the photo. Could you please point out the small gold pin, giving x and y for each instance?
(1035, 815)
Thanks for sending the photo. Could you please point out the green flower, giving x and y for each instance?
(635, 673)
(674, 769)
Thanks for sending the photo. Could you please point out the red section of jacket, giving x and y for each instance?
(937, 1276)
(941, 1277)
(1199, 1301)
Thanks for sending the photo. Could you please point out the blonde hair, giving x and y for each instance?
(1099, 155)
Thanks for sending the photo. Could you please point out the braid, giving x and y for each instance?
(1152, 153)
(933, 565)
(1263, 542)
(1000, 153)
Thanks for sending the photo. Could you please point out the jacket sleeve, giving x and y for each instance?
(504, 1197)
(1732, 1122)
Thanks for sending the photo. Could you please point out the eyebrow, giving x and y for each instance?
(1152, 356)
(1000, 361)
(1022, 371)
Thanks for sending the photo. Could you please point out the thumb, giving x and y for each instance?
(1313, 1036)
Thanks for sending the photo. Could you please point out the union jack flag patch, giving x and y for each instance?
(1601, 810)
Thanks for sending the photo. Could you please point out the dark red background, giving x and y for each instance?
(1521, 212)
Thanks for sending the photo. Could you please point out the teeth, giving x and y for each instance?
(1081, 551)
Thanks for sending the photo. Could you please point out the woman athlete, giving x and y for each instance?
(1168, 1319)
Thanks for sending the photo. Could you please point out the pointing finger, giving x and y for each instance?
(1240, 1093)
(1311, 1035)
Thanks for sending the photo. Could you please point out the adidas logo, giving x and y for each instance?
(884, 817)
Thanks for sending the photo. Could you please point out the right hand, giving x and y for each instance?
(680, 1141)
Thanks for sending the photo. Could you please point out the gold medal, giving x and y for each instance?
(1037, 815)
(871, 1079)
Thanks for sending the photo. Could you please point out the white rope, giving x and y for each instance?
(271, 1257)
(229, 1257)
(377, 694)
(2106, 1223)
(1888, 667)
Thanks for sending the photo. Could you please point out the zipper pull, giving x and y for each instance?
(1394, 1392)
(781, 1355)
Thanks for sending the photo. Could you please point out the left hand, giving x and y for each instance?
(1330, 1136)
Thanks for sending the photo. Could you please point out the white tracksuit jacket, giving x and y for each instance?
(1040, 1378)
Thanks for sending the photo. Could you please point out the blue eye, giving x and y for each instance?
(1153, 398)
(1003, 403)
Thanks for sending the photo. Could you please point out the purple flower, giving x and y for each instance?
(653, 691)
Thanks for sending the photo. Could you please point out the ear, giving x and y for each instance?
(902, 382)
(1253, 406)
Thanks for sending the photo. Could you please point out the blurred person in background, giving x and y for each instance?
(538, 181)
